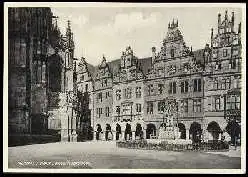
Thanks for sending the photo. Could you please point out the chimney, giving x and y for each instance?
(153, 54)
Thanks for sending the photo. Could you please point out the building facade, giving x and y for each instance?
(176, 76)
(85, 100)
(222, 76)
(29, 32)
(40, 78)
(61, 92)
(103, 99)
(201, 89)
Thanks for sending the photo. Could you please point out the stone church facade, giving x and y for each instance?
(40, 79)
(130, 96)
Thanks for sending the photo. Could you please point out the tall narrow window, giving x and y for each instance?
(217, 103)
(160, 88)
(232, 63)
(118, 110)
(100, 97)
(197, 85)
(149, 107)
(174, 87)
(107, 111)
(182, 87)
(86, 88)
(185, 105)
(138, 92)
(215, 83)
(118, 94)
(170, 88)
(197, 105)
(161, 106)
(172, 53)
(138, 108)
(150, 89)
(224, 52)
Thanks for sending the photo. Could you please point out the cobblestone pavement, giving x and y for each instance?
(106, 155)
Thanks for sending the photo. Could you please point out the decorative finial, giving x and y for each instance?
(169, 25)
(226, 16)
(239, 30)
(177, 23)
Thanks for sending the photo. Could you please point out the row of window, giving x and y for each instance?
(184, 85)
(197, 106)
(99, 112)
(235, 52)
(221, 84)
(232, 103)
(232, 65)
(100, 96)
(128, 93)
(39, 72)
(127, 109)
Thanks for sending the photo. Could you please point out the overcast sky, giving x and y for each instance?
(109, 30)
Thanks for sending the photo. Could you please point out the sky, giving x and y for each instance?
(108, 31)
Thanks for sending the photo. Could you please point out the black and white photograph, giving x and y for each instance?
(124, 87)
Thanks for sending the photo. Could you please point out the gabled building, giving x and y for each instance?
(103, 101)
(133, 97)
(175, 76)
(85, 108)
(222, 77)
(128, 98)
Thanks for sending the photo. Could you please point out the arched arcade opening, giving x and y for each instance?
(128, 132)
(182, 130)
(118, 131)
(195, 132)
(150, 131)
(98, 131)
(138, 132)
(214, 130)
(108, 133)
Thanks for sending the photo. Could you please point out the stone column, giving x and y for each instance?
(114, 135)
(94, 135)
(219, 136)
(133, 135)
(187, 134)
(122, 135)
(206, 136)
(144, 134)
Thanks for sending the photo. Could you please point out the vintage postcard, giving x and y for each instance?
(124, 88)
